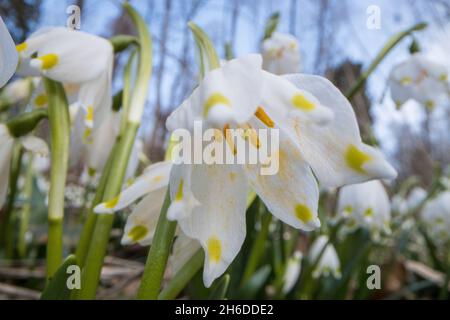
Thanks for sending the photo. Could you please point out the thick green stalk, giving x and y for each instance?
(182, 278)
(100, 236)
(26, 210)
(58, 115)
(392, 42)
(91, 218)
(8, 225)
(124, 145)
(257, 251)
(158, 255)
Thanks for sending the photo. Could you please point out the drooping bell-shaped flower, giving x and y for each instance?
(293, 269)
(317, 133)
(436, 216)
(365, 205)
(328, 263)
(72, 57)
(420, 79)
(16, 91)
(281, 54)
(8, 55)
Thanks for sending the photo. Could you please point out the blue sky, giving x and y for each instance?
(352, 40)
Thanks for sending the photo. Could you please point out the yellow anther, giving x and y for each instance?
(112, 203)
(443, 77)
(251, 134)
(303, 213)
(21, 47)
(214, 249)
(48, 61)
(262, 115)
(299, 101)
(355, 158)
(138, 233)
(215, 99)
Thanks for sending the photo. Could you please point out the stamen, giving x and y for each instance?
(264, 117)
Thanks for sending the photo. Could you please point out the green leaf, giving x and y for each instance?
(271, 25)
(56, 288)
(221, 288)
(252, 287)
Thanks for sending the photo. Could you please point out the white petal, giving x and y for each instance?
(95, 96)
(218, 223)
(156, 176)
(8, 55)
(229, 94)
(103, 139)
(291, 194)
(335, 151)
(35, 144)
(283, 100)
(183, 250)
(6, 149)
(142, 221)
(292, 272)
(80, 56)
(329, 261)
(183, 200)
(133, 163)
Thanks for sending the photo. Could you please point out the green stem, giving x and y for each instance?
(158, 254)
(100, 236)
(91, 218)
(9, 220)
(58, 115)
(124, 145)
(26, 209)
(392, 42)
(181, 279)
(257, 251)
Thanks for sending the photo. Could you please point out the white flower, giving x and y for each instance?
(419, 79)
(101, 140)
(16, 91)
(436, 216)
(292, 272)
(318, 133)
(281, 54)
(416, 196)
(6, 149)
(8, 55)
(72, 57)
(328, 263)
(365, 205)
